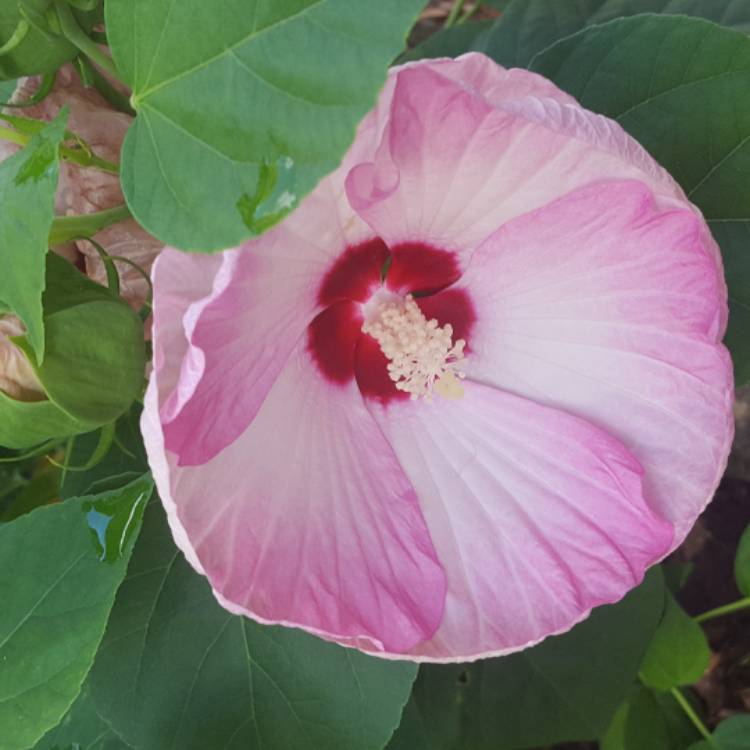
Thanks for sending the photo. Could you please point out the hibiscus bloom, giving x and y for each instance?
(473, 387)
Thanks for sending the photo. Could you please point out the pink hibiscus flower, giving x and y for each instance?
(473, 387)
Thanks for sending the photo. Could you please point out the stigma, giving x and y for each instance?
(422, 357)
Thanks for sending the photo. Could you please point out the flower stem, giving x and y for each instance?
(66, 228)
(694, 718)
(455, 11)
(726, 609)
(77, 36)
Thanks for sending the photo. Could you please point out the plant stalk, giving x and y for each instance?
(726, 609)
(66, 228)
(455, 12)
(694, 718)
(78, 37)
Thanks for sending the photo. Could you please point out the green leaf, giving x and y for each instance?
(56, 597)
(29, 46)
(175, 670)
(566, 688)
(732, 734)
(15, 476)
(686, 102)
(43, 488)
(676, 574)
(679, 652)
(742, 563)
(114, 517)
(649, 720)
(28, 181)
(438, 709)
(82, 728)
(24, 424)
(226, 89)
(529, 26)
(7, 89)
(126, 456)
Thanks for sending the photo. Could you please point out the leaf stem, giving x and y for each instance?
(455, 12)
(77, 36)
(45, 86)
(104, 87)
(470, 12)
(726, 609)
(7, 134)
(86, 158)
(66, 228)
(82, 155)
(39, 450)
(16, 37)
(688, 709)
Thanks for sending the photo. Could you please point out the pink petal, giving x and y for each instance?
(468, 146)
(181, 282)
(263, 297)
(176, 288)
(306, 519)
(536, 516)
(483, 76)
(612, 308)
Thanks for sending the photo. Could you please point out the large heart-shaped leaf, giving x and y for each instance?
(243, 107)
(81, 729)
(175, 670)
(28, 181)
(686, 100)
(566, 688)
(56, 594)
(530, 26)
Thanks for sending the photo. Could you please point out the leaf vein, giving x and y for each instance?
(248, 37)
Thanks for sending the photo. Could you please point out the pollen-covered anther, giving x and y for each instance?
(423, 358)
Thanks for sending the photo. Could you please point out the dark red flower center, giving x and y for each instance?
(341, 349)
